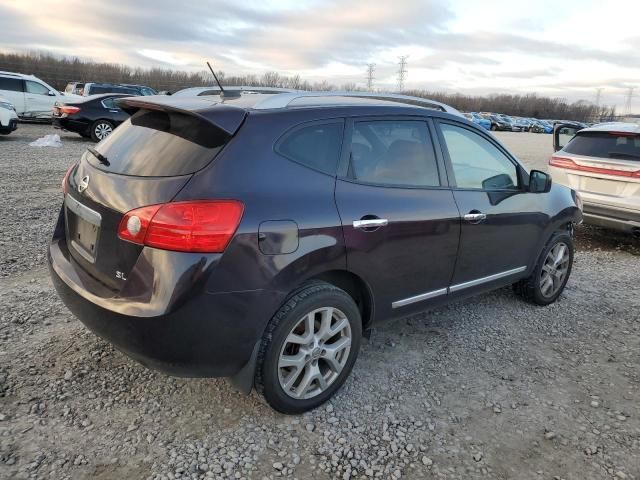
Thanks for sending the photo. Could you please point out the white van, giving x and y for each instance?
(32, 97)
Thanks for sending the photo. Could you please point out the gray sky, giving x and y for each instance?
(564, 49)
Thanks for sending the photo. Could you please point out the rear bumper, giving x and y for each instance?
(199, 334)
(70, 125)
(614, 218)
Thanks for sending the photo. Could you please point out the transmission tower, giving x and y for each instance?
(627, 101)
(402, 72)
(371, 68)
(598, 95)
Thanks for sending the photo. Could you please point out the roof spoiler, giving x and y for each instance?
(223, 116)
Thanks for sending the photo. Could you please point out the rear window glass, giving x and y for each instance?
(11, 84)
(605, 145)
(316, 146)
(160, 144)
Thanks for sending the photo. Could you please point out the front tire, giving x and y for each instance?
(308, 349)
(100, 130)
(494, 127)
(551, 273)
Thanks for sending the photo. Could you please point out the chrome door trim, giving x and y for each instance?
(457, 287)
(490, 278)
(419, 298)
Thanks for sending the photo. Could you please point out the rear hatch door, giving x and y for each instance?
(145, 161)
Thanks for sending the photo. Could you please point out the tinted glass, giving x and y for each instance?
(147, 91)
(316, 146)
(109, 103)
(36, 88)
(393, 153)
(605, 145)
(160, 144)
(476, 162)
(11, 84)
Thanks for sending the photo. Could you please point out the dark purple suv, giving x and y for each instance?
(258, 237)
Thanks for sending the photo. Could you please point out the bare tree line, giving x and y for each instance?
(58, 71)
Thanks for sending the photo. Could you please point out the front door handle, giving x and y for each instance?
(474, 216)
(370, 223)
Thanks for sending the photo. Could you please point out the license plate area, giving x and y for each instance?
(83, 228)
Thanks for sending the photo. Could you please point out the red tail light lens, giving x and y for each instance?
(567, 163)
(199, 226)
(67, 110)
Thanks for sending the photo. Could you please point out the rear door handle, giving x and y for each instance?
(475, 217)
(371, 223)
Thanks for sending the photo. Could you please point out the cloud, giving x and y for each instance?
(331, 39)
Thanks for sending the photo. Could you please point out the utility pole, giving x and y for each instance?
(402, 72)
(627, 101)
(371, 68)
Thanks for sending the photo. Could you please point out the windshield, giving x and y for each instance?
(605, 145)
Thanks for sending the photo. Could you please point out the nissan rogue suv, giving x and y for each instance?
(258, 237)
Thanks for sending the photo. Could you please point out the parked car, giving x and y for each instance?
(477, 119)
(8, 117)
(541, 126)
(512, 125)
(258, 237)
(93, 117)
(31, 97)
(75, 88)
(602, 163)
(91, 88)
(498, 123)
(523, 123)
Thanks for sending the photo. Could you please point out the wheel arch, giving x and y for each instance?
(355, 286)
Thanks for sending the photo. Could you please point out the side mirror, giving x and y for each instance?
(52, 93)
(539, 182)
(562, 134)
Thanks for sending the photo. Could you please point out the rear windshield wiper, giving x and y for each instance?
(623, 155)
(101, 158)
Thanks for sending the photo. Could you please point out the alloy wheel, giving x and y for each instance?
(103, 130)
(314, 353)
(554, 269)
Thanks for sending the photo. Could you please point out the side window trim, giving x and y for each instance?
(329, 121)
(449, 167)
(345, 159)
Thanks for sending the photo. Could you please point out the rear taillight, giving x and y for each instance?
(569, 164)
(65, 179)
(65, 110)
(198, 226)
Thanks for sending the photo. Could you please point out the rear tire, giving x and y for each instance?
(308, 349)
(551, 272)
(100, 130)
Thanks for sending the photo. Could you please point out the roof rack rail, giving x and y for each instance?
(198, 91)
(284, 100)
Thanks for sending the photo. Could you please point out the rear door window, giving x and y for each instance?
(317, 145)
(160, 144)
(11, 84)
(605, 145)
(393, 153)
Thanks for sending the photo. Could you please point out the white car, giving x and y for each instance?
(602, 163)
(31, 97)
(8, 117)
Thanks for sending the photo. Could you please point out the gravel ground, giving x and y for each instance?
(487, 388)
